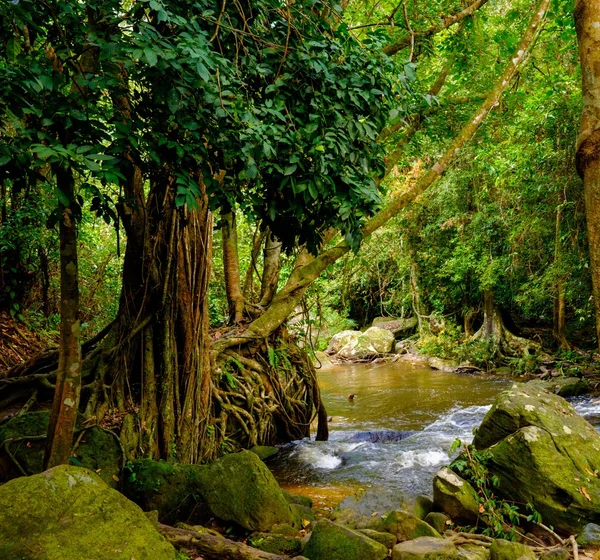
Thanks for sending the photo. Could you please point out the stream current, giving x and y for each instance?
(395, 432)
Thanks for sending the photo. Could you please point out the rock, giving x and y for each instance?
(404, 346)
(69, 513)
(590, 536)
(507, 550)
(398, 327)
(473, 552)
(442, 365)
(293, 498)
(557, 554)
(407, 527)
(386, 539)
(544, 453)
(374, 341)
(439, 521)
(504, 370)
(455, 496)
(276, 544)
(97, 450)
(563, 386)
(238, 487)
(330, 541)
(425, 548)
(367, 509)
(340, 340)
(198, 529)
(264, 451)
(322, 361)
(380, 436)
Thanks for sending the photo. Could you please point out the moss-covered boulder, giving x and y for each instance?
(264, 452)
(407, 527)
(590, 536)
(563, 386)
(239, 487)
(455, 496)
(474, 552)
(425, 548)
(386, 539)
(507, 550)
(439, 521)
(341, 339)
(398, 327)
(372, 342)
(322, 361)
(329, 540)
(284, 545)
(96, 449)
(544, 453)
(174, 491)
(69, 513)
(368, 509)
(300, 499)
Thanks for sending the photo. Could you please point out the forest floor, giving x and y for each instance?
(17, 343)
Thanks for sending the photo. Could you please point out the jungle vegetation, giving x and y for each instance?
(179, 179)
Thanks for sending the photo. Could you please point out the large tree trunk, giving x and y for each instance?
(271, 268)
(587, 16)
(559, 307)
(231, 267)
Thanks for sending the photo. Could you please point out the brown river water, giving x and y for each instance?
(396, 432)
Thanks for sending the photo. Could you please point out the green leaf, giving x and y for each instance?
(173, 100)
(46, 81)
(4, 160)
(150, 56)
(290, 169)
(203, 71)
(13, 49)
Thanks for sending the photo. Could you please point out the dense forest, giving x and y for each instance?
(205, 206)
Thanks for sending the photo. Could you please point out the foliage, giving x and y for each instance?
(502, 517)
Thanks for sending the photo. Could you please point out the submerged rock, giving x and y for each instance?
(367, 509)
(425, 548)
(380, 436)
(455, 496)
(330, 541)
(544, 453)
(238, 487)
(69, 513)
(442, 365)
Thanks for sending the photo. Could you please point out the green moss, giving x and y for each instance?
(507, 550)
(69, 513)
(329, 541)
(407, 527)
(425, 548)
(99, 451)
(276, 544)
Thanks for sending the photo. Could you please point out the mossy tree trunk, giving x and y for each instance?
(231, 267)
(587, 16)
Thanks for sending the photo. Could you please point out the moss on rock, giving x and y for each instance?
(285, 545)
(329, 540)
(407, 527)
(507, 550)
(69, 513)
(455, 496)
(425, 548)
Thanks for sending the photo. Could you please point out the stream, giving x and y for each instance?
(395, 432)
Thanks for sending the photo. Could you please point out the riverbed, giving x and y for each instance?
(391, 425)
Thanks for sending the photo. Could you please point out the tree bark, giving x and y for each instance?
(559, 307)
(68, 381)
(231, 267)
(271, 268)
(587, 16)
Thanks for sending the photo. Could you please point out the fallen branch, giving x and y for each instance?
(212, 547)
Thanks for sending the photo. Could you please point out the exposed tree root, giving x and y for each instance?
(212, 547)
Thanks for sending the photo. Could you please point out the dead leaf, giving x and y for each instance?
(115, 478)
(375, 514)
(98, 470)
(590, 472)
(584, 492)
(481, 508)
(305, 523)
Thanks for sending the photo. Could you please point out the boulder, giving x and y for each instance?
(342, 339)
(563, 386)
(322, 361)
(398, 327)
(455, 496)
(442, 365)
(590, 536)
(386, 539)
(329, 540)
(507, 550)
(545, 454)
(69, 513)
(300, 499)
(263, 452)
(372, 342)
(97, 450)
(474, 552)
(407, 527)
(285, 545)
(367, 509)
(238, 487)
(439, 521)
(425, 548)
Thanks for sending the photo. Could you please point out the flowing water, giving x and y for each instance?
(395, 432)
